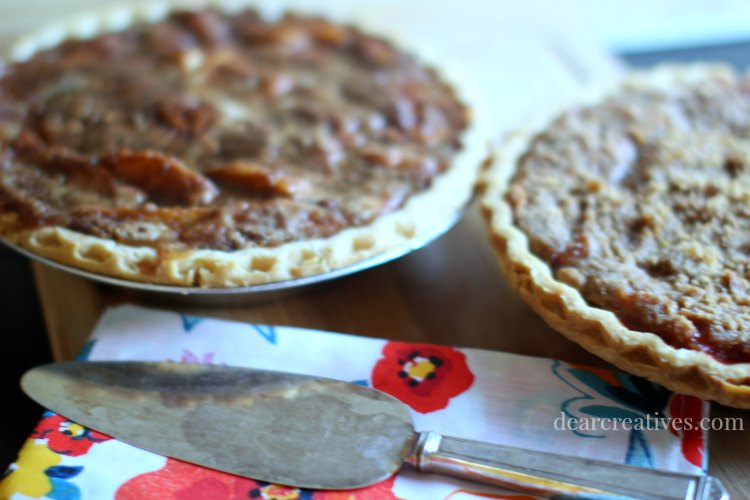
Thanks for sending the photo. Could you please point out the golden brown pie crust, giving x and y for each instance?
(425, 213)
(564, 308)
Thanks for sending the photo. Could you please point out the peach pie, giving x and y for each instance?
(215, 150)
(625, 223)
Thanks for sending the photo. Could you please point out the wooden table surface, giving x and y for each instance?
(450, 292)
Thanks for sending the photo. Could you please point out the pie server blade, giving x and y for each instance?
(313, 432)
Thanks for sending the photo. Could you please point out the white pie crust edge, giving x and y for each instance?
(564, 308)
(426, 214)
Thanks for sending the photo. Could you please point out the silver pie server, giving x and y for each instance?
(317, 433)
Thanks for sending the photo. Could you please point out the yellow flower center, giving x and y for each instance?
(277, 492)
(72, 429)
(419, 368)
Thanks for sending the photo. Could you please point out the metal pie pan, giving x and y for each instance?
(244, 294)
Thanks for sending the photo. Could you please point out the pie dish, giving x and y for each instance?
(623, 222)
(206, 149)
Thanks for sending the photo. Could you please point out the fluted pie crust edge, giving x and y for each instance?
(565, 309)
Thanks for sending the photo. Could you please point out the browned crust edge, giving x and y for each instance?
(564, 308)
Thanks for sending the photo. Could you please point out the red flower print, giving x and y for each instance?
(423, 376)
(179, 480)
(689, 410)
(378, 491)
(66, 437)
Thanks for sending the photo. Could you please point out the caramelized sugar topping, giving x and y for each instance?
(221, 132)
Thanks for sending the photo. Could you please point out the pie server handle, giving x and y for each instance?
(555, 476)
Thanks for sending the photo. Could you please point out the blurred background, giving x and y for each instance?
(617, 24)
(541, 49)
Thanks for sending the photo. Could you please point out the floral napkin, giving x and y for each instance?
(470, 393)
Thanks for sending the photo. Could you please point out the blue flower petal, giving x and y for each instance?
(63, 471)
(610, 412)
(632, 400)
(63, 490)
(86, 351)
(189, 321)
(639, 451)
(267, 332)
(592, 380)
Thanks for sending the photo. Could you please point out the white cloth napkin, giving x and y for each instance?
(469, 393)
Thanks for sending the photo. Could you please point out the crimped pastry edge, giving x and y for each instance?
(425, 214)
(565, 309)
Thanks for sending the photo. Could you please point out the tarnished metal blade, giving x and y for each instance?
(282, 428)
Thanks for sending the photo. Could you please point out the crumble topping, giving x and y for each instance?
(642, 203)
